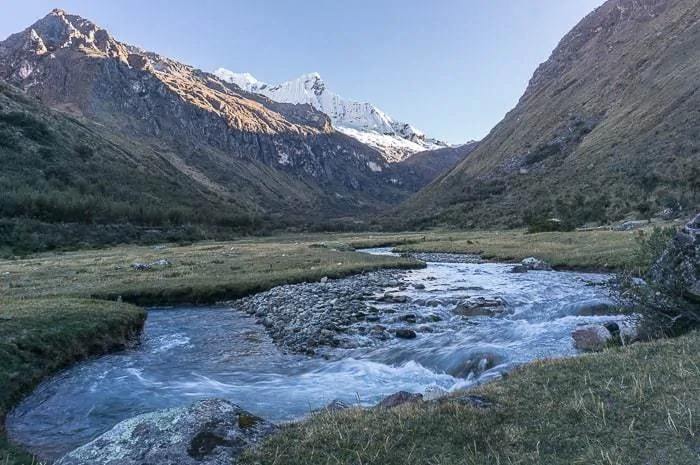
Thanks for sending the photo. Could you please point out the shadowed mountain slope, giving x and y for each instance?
(607, 127)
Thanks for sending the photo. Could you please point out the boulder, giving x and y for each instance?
(629, 332)
(535, 264)
(405, 333)
(208, 432)
(480, 307)
(400, 398)
(591, 338)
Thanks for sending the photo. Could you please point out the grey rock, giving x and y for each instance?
(535, 264)
(140, 266)
(591, 338)
(473, 364)
(480, 307)
(208, 432)
(434, 393)
(335, 406)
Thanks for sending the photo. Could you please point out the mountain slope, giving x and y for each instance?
(607, 127)
(429, 165)
(360, 120)
(278, 159)
(65, 180)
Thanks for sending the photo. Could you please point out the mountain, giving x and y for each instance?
(274, 160)
(363, 121)
(607, 128)
(429, 165)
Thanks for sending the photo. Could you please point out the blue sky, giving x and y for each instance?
(453, 68)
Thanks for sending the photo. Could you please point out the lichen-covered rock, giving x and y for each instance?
(208, 432)
(535, 264)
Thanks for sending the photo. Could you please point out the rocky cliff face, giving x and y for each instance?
(232, 138)
(607, 128)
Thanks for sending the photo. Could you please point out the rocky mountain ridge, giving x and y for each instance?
(360, 120)
(279, 159)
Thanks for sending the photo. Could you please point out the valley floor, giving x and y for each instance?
(629, 405)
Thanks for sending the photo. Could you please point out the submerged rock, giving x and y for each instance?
(405, 333)
(480, 307)
(208, 432)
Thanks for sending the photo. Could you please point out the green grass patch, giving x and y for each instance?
(595, 250)
(632, 405)
(197, 274)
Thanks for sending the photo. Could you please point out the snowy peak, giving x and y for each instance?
(361, 120)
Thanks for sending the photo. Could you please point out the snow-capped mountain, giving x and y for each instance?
(363, 121)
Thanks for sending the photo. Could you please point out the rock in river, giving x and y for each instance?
(405, 333)
(208, 432)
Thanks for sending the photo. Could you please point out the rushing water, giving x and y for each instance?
(195, 353)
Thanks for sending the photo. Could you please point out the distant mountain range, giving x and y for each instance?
(607, 129)
(361, 120)
(253, 158)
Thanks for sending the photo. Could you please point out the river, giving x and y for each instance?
(195, 353)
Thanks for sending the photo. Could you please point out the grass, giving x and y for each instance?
(634, 405)
(201, 273)
(595, 250)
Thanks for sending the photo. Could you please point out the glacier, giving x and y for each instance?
(361, 120)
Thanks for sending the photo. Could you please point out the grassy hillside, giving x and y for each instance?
(64, 180)
(608, 127)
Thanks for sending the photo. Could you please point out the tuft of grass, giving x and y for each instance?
(632, 405)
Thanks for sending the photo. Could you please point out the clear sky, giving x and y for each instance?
(453, 68)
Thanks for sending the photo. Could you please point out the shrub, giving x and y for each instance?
(669, 263)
